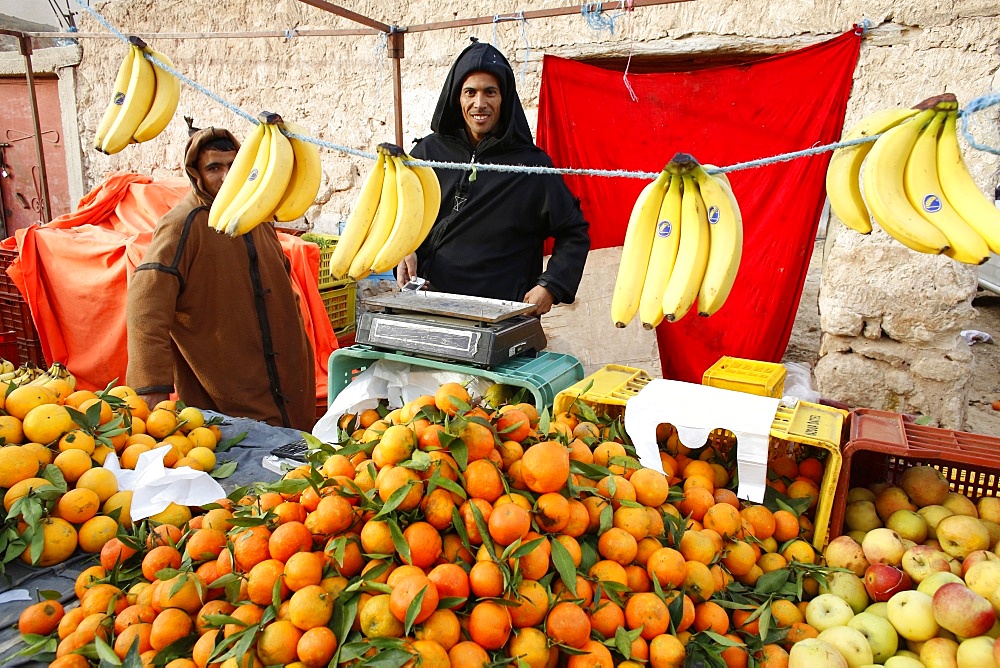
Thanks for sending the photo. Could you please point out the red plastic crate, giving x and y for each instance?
(30, 350)
(16, 316)
(882, 445)
(7, 287)
(8, 346)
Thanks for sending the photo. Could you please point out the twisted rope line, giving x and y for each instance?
(975, 105)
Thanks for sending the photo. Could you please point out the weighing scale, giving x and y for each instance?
(438, 325)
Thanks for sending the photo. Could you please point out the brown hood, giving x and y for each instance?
(194, 145)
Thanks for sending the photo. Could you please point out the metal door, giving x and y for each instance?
(20, 189)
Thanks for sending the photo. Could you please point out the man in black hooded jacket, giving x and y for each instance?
(489, 235)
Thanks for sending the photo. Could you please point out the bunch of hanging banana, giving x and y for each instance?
(274, 177)
(682, 246)
(142, 103)
(913, 182)
(393, 214)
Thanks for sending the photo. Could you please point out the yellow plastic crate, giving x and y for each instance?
(794, 428)
(765, 379)
(339, 302)
(611, 386)
(820, 427)
(327, 243)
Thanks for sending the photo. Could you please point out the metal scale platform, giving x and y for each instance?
(439, 325)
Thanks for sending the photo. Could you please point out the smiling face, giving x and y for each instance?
(213, 167)
(480, 101)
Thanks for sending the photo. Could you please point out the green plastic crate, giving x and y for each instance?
(545, 375)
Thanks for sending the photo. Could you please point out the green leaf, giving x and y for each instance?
(769, 583)
(622, 642)
(413, 609)
(224, 470)
(438, 480)
(564, 566)
(484, 531)
(395, 499)
(607, 518)
(459, 451)
(228, 443)
(106, 653)
(525, 549)
(399, 541)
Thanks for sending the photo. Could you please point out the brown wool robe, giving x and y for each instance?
(216, 318)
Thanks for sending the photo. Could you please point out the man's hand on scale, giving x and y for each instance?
(406, 270)
(541, 298)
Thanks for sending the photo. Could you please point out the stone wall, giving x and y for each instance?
(340, 88)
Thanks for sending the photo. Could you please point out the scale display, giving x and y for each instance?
(437, 325)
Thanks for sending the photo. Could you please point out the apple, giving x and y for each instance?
(813, 652)
(983, 577)
(960, 504)
(925, 485)
(994, 529)
(845, 552)
(995, 600)
(996, 651)
(882, 581)
(860, 494)
(907, 660)
(883, 546)
(851, 644)
(930, 584)
(847, 586)
(939, 653)
(858, 536)
(932, 515)
(890, 500)
(908, 524)
(922, 560)
(975, 557)
(879, 609)
(988, 508)
(881, 635)
(962, 611)
(976, 653)
(960, 535)
(826, 611)
(911, 614)
(861, 516)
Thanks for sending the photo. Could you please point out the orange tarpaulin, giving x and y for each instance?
(74, 273)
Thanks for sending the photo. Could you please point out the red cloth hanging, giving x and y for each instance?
(722, 116)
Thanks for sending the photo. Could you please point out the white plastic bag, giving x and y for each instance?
(798, 382)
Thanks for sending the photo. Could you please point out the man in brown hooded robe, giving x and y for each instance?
(215, 317)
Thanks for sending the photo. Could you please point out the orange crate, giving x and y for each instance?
(882, 445)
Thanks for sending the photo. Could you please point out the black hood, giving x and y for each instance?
(513, 127)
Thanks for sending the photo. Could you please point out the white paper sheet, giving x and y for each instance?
(154, 486)
(695, 410)
(398, 382)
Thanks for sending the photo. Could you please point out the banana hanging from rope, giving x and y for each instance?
(267, 193)
(143, 101)
(360, 220)
(637, 250)
(844, 171)
(961, 190)
(692, 254)
(725, 250)
(304, 182)
(923, 190)
(914, 183)
(662, 255)
(393, 214)
(682, 246)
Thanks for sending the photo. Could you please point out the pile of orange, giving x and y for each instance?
(445, 534)
(48, 443)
